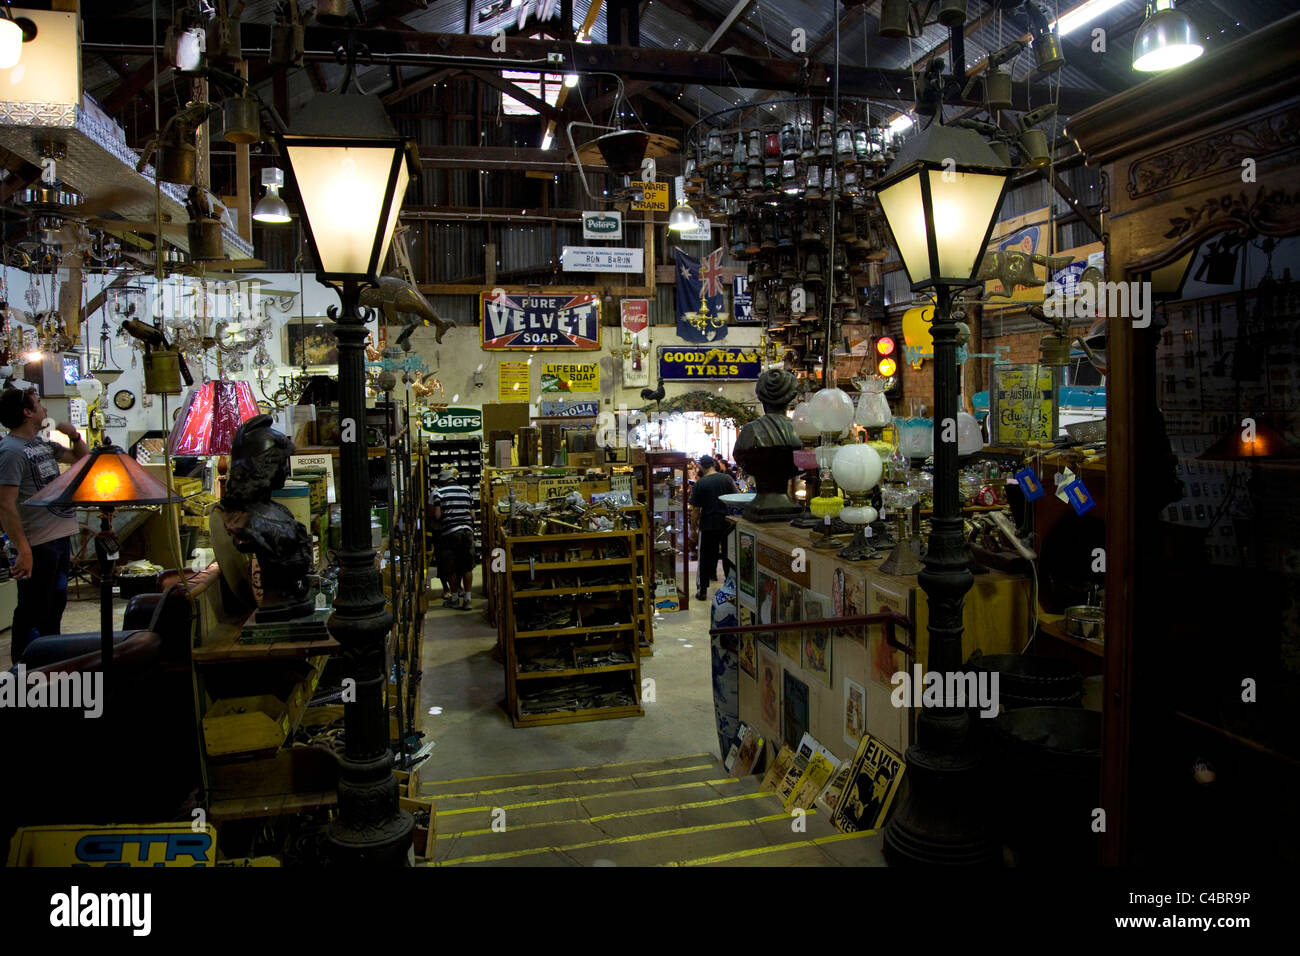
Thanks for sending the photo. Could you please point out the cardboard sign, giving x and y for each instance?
(563, 409)
(558, 377)
(686, 364)
(318, 463)
(548, 488)
(137, 844)
(540, 321)
(654, 196)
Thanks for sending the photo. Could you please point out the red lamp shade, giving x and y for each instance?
(107, 477)
(207, 421)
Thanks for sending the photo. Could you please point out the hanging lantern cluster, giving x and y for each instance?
(799, 202)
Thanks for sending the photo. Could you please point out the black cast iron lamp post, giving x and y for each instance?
(941, 199)
(351, 172)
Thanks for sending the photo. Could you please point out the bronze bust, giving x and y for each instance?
(266, 529)
(765, 449)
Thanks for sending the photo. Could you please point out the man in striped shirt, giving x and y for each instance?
(453, 508)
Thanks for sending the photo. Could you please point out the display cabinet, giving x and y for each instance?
(670, 509)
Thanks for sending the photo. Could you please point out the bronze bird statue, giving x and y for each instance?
(403, 304)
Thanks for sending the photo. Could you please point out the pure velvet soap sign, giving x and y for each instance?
(540, 321)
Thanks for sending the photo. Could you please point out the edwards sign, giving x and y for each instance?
(687, 364)
(540, 321)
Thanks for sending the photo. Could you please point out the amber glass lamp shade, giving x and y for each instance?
(208, 419)
(107, 477)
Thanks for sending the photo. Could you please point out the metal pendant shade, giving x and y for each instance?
(210, 416)
(1167, 39)
(351, 170)
(107, 477)
(941, 199)
(623, 150)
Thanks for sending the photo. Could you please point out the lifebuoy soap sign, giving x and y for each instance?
(569, 322)
(687, 363)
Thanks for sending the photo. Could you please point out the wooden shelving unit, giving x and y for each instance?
(583, 663)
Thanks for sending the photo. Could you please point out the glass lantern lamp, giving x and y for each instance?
(857, 470)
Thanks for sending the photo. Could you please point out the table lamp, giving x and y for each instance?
(857, 470)
(831, 412)
(106, 479)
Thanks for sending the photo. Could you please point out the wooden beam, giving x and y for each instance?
(519, 158)
(727, 23)
(138, 80)
(418, 85)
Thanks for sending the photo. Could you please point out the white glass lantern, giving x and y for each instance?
(873, 410)
(803, 426)
(351, 171)
(856, 468)
(941, 199)
(969, 437)
(831, 411)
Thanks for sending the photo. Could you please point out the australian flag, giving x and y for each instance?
(693, 275)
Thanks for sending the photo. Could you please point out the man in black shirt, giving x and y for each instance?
(709, 522)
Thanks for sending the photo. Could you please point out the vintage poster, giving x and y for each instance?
(815, 643)
(685, 364)
(769, 691)
(571, 377)
(855, 712)
(820, 767)
(1023, 406)
(766, 595)
(790, 603)
(872, 783)
(751, 749)
(848, 599)
(794, 708)
(806, 762)
(512, 381)
(776, 773)
(540, 321)
(885, 661)
(746, 566)
(829, 799)
(634, 315)
(748, 655)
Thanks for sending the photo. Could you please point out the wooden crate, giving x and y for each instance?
(423, 837)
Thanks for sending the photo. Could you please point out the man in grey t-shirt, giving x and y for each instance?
(41, 536)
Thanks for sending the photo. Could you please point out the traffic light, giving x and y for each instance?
(886, 357)
(886, 354)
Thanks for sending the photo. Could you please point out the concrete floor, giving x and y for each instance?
(473, 735)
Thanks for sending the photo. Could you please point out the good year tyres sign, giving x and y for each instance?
(687, 364)
(570, 322)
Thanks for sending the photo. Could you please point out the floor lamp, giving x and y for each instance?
(351, 171)
(941, 199)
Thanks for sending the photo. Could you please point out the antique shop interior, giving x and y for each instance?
(650, 432)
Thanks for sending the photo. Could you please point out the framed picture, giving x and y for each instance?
(815, 643)
(746, 565)
(848, 599)
(884, 661)
(790, 602)
(766, 595)
(873, 782)
(1022, 404)
(769, 691)
(794, 709)
(306, 342)
(855, 712)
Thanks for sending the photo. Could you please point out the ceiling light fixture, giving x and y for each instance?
(683, 218)
(1084, 13)
(1166, 40)
(272, 208)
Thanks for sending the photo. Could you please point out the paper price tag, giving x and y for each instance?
(1030, 484)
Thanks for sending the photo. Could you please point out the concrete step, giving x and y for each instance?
(498, 781)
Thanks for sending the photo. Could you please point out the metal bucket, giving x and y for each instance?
(205, 240)
(240, 114)
(175, 163)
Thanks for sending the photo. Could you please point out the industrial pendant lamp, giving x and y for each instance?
(272, 208)
(683, 218)
(1167, 39)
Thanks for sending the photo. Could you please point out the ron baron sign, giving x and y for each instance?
(689, 364)
(540, 321)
